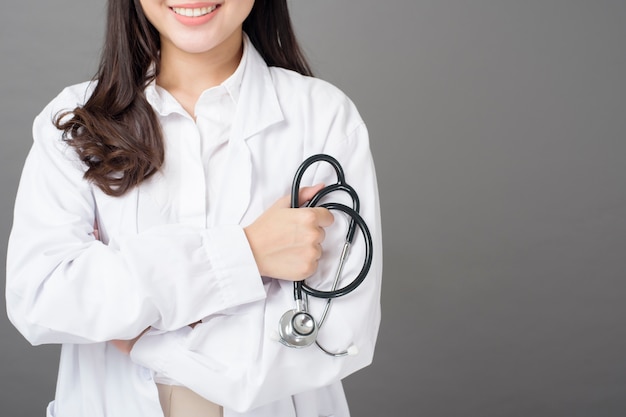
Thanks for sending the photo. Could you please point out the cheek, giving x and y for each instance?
(245, 7)
(153, 12)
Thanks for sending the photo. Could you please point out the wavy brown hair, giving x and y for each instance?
(116, 133)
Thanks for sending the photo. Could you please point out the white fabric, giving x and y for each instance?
(214, 113)
(165, 260)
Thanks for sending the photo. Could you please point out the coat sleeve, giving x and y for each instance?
(234, 359)
(65, 286)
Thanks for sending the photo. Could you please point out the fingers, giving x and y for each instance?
(307, 193)
(96, 230)
(286, 242)
(125, 346)
(324, 217)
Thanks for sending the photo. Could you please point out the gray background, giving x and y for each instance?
(498, 129)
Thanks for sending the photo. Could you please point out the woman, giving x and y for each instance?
(153, 236)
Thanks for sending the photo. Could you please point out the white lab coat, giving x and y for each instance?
(165, 261)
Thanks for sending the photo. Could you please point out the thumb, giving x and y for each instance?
(307, 193)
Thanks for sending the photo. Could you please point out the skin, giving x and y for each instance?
(285, 242)
(195, 58)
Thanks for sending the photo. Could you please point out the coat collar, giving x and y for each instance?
(250, 86)
(258, 106)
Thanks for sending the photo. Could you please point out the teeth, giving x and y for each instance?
(201, 11)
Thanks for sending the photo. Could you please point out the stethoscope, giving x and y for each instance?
(297, 327)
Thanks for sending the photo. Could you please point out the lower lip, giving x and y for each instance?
(195, 21)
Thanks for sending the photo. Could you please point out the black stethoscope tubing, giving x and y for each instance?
(355, 221)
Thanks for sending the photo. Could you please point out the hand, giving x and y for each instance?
(125, 346)
(96, 230)
(286, 242)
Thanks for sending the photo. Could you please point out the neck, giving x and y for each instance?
(186, 75)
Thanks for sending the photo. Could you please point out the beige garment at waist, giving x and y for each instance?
(178, 401)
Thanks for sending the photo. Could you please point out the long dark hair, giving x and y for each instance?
(116, 132)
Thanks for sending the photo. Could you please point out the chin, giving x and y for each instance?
(198, 45)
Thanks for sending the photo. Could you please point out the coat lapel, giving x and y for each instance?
(257, 109)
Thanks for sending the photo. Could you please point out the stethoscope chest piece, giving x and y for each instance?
(297, 328)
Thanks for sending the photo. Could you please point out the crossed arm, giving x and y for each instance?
(285, 242)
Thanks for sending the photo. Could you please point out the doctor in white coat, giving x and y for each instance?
(153, 237)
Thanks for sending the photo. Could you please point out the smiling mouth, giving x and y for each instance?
(191, 12)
